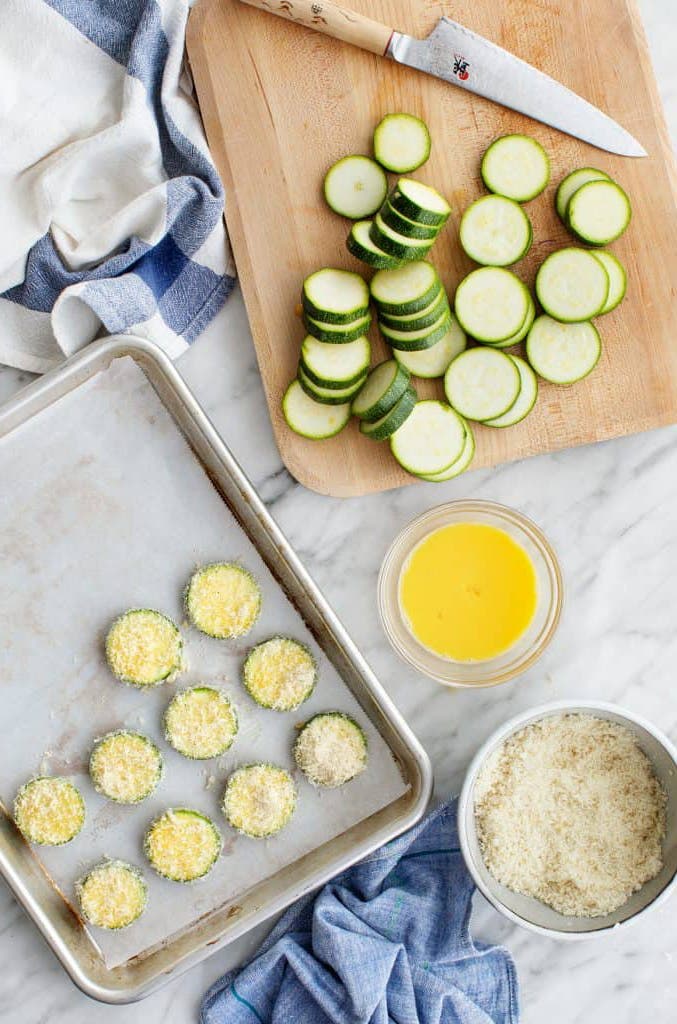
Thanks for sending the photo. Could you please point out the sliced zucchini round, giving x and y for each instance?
(433, 362)
(415, 341)
(599, 212)
(312, 419)
(200, 722)
(523, 331)
(461, 464)
(182, 844)
(573, 181)
(420, 202)
(409, 228)
(335, 366)
(572, 285)
(49, 811)
(495, 231)
(384, 386)
(360, 245)
(335, 296)
(482, 383)
(563, 353)
(144, 648)
(380, 429)
(416, 321)
(328, 396)
(407, 289)
(430, 440)
(355, 187)
(112, 895)
(337, 334)
(491, 304)
(618, 279)
(517, 167)
(524, 402)
(125, 766)
(331, 749)
(259, 800)
(223, 600)
(279, 673)
(397, 245)
(401, 142)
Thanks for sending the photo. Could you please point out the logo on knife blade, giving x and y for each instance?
(461, 67)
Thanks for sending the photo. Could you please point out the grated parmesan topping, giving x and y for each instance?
(125, 767)
(223, 600)
(183, 845)
(259, 799)
(112, 895)
(569, 811)
(280, 673)
(200, 722)
(49, 811)
(331, 749)
(143, 647)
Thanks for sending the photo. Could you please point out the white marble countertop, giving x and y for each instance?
(609, 510)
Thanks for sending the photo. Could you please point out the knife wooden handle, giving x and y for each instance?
(332, 20)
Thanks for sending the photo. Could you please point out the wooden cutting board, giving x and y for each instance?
(280, 103)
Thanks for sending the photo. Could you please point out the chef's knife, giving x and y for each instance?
(459, 56)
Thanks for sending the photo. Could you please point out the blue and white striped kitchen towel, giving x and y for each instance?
(110, 205)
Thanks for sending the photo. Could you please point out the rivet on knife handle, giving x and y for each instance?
(332, 20)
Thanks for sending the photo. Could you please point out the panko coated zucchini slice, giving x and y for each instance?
(49, 811)
(259, 800)
(144, 648)
(112, 895)
(182, 844)
(279, 673)
(200, 722)
(223, 600)
(331, 749)
(125, 766)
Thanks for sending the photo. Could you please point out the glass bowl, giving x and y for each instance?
(530, 646)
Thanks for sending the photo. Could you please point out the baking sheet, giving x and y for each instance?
(113, 511)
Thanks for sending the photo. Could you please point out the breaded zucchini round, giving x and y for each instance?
(200, 722)
(331, 749)
(112, 894)
(144, 647)
(49, 811)
(259, 799)
(223, 600)
(182, 844)
(279, 673)
(125, 766)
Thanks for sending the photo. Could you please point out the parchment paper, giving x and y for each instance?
(104, 507)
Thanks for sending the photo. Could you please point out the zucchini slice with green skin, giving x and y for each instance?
(331, 749)
(618, 279)
(312, 419)
(335, 366)
(360, 245)
(401, 142)
(144, 648)
(420, 202)
(461, 464)
(125, 766)
(491, 304)
(521, 334)
(482, 384)
(335, 296)
(407, 289)
(223, 600)
(416, 321)
(397, 245)
(112, 895)
(495, 231)
(383, 388)
(337, 334)
(49, 811)
(409, 228)
(259, 800)
(380, 429)
(517, 167)
(563, 353)
(279, 673)
(525, 401)
(430, 440)
(414, 341)
(573, 181)
(328, 396)
(599, 212)
(433, 362)
(571, 285)
(355, 187)
(182, 844)
(200, 722)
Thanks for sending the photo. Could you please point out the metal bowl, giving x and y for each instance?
(530, 912)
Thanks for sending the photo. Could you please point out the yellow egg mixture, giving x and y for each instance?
(468, 592)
